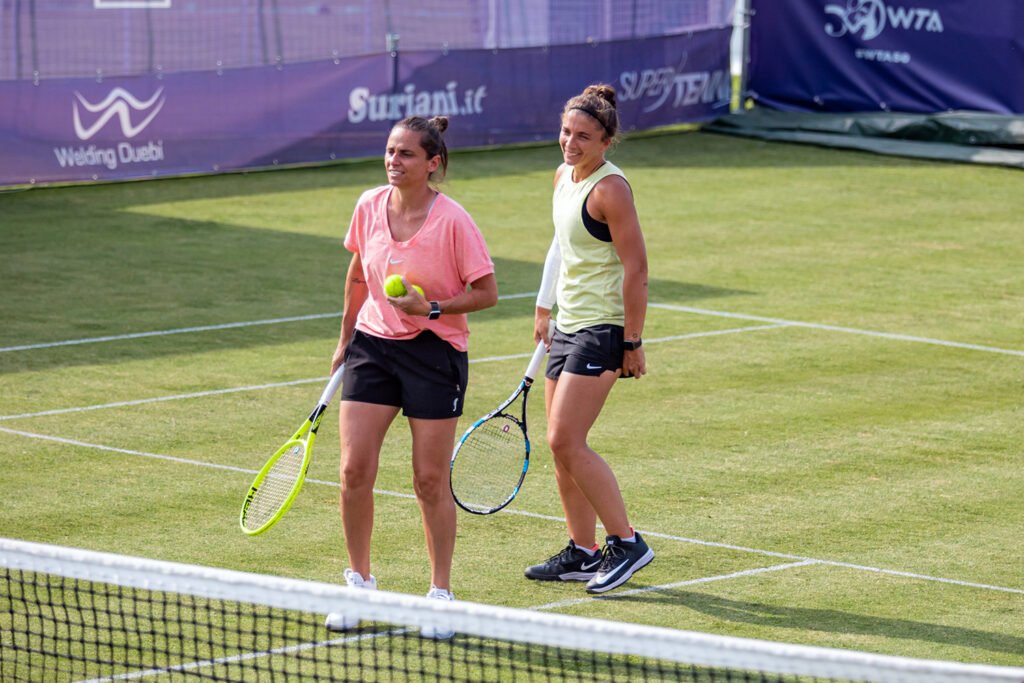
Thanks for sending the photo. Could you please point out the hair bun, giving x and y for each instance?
(602, 90)
(440, 122)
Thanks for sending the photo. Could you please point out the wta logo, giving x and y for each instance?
(870, 17)
(119, 104)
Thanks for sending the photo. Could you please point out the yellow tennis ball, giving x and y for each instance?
(393, 286)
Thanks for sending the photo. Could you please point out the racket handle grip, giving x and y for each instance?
(538, 355)
(332, 386)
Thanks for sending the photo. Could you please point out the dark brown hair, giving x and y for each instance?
(599, 102)
(431, 137)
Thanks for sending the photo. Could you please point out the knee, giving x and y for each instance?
(561, 443)
(430, 487)
(355, 478)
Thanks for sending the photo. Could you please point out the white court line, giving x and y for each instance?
(205, 663)
(837, 328)
(535, 515)
(164, 333)
(835, 563)
(172, 458)
(523, 295)
(257, 387)
(201, 328)
(159, 399)
(678, 584)
(782, 556)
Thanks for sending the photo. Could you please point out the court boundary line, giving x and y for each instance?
(839, 328)
(198, 328)
(242, 657)
(522, 295)
(311, 380)
(677, 584)
(534, 515)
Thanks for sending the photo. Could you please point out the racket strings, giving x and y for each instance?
(276, 487)
(489, 465)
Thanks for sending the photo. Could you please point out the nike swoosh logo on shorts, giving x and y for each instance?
(396, 260)
(593, 367)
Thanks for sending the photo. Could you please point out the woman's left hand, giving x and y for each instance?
(634, 363)
(412, 302)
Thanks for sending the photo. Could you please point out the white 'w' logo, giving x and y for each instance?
(117, 103)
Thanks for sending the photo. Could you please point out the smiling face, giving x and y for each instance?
(582, 139)
(406, 161)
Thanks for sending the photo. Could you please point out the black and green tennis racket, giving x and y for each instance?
(279, 482)
(490, 461)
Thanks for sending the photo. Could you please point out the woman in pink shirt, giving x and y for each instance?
(407, 353)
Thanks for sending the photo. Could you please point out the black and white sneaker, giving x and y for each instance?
(619, 561)
(571, 564)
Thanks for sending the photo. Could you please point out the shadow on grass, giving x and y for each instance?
(80, 264)
(121, 273)
(680, 293)
(837, 621)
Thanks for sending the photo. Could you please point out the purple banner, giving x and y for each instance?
(200, 122)
(916, 56)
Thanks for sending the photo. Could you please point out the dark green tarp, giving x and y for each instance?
(971, 137)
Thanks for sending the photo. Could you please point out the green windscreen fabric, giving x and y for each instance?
(969, 137)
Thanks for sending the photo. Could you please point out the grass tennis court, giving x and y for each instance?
(826, 450)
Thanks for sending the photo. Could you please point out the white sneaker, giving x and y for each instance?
(336, 621)
(432, 631)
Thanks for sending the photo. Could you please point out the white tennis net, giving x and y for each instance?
(74, 615)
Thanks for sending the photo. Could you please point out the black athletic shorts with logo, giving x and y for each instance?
(424, 376)
(590, 351)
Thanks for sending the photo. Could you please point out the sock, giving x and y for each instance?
(589, 551)
(632, 537)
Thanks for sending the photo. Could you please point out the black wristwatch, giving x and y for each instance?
(435, 311)
(632, 345)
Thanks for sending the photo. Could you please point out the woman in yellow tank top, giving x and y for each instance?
(596, 272)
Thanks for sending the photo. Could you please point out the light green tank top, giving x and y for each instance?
(590, 281)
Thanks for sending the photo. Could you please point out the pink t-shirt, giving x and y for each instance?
(443, 257)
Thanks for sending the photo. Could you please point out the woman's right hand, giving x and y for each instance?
(542, 326)
(339, 355)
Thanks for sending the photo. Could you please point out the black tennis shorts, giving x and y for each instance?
(424, 376)
(590, 351)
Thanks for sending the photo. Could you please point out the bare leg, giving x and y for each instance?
(432, 442)
(586, 483)
(580, 517)
(362, 427)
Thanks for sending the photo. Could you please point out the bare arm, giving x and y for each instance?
(356, 293)
(612, 202)
(482, 293)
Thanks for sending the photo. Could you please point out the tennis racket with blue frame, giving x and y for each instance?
(490, 460)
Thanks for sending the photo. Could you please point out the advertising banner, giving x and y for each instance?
(915, 56)
(65, 130)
